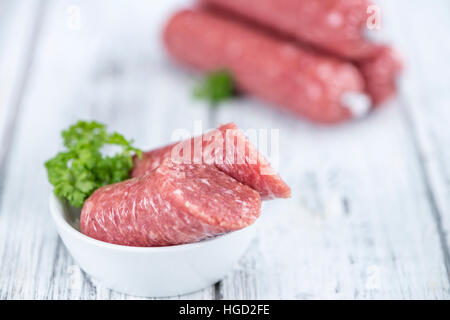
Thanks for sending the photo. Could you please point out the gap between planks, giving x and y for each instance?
(434, 207)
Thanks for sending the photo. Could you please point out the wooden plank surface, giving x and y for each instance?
(426, 100)
(19, 27)
(79, 74)
(369, 216)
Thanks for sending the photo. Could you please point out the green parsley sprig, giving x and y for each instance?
(217, 86)
(81, 169)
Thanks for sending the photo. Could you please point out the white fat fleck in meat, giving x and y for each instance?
(101, 223)
(143, 203)
(334, 19)
(205, 181)
(193, 206)
(178, 192)
(167, 206)
(152, 204)
(314, 91)
(133, 210)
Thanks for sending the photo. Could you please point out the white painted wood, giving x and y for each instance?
(370, 207)
(103, 72)
(17, 24)
(361, 223)
(426, 96)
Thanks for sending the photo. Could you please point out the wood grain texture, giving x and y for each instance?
(426, 99)
(80, 74)
(369, 216)
(365, 208)
(19, 28)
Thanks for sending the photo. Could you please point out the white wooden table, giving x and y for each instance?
(370, 212)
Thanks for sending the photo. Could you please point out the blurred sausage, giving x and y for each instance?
(320, 88)
(334, 25)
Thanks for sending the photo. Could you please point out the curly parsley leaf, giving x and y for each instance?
(82, 168)
(216, 87)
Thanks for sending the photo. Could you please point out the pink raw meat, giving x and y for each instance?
(232, 153)
(381, 72)
(174, 204)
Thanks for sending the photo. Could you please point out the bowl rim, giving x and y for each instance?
(63, 226)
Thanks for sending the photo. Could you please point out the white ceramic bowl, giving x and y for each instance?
(150, 272)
